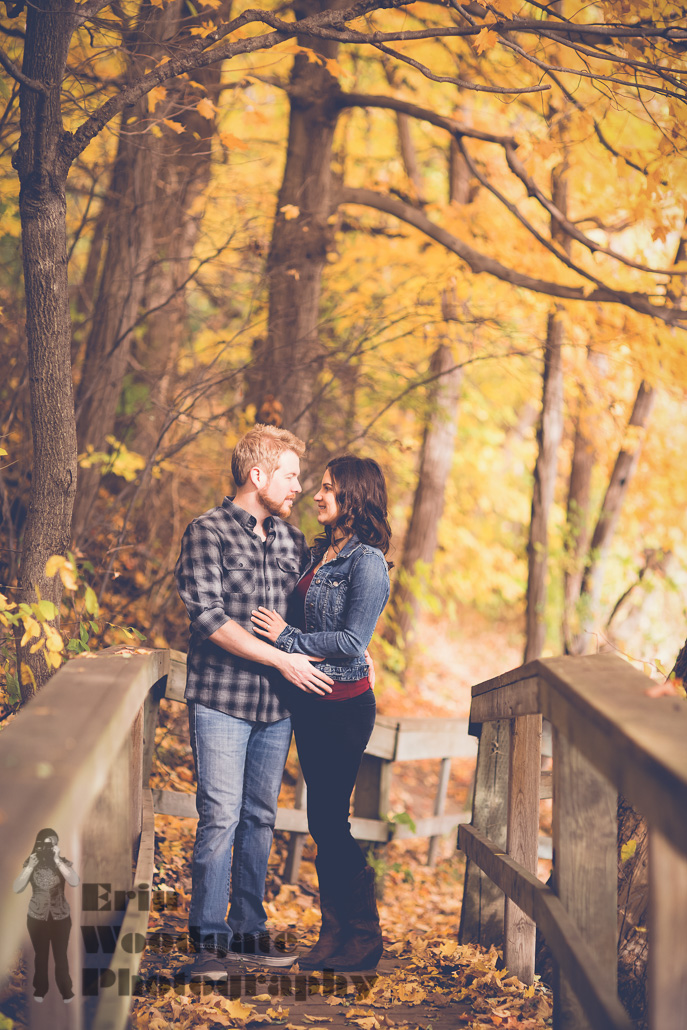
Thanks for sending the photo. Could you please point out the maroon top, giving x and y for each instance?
(342, 690)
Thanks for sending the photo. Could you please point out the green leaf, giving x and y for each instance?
(83, 633)
(91, 601)
(13, 690)
(136, 632)
(46, 611)
(403, 819)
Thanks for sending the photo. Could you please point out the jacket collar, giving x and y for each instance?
(349, 548)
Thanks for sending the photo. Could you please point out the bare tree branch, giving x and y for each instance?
(518, 169)
(550, 246)
(11, 69)
(595, 76)
(14, 33)
(478, 262)
(463, 83)
(457, 130)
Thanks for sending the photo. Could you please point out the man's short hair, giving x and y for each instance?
(262, 446)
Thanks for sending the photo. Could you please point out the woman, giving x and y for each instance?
(340, 595)
(48, 920)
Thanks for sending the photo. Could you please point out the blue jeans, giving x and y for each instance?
(239, 766)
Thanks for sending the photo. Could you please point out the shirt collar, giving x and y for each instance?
(245, 519)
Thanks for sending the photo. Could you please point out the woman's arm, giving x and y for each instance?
(367, 595)
(66, 868)
(25, 875)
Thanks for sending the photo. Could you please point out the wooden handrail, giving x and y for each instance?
(57, 759)
(637, 742)
(609, 736)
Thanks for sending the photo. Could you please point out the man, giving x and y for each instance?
(234, 558)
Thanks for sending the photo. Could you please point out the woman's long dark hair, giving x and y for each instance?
(360, 491)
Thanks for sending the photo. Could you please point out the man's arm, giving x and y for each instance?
(297, 668)
(199, 581)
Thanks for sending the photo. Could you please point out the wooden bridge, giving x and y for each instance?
(78, 759)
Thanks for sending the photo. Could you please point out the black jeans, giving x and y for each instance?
(331, 737)
(43, 933)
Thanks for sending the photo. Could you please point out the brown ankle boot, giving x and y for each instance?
(362, 945)
(332, 930)
(331, 935)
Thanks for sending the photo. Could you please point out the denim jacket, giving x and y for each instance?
(342, 606)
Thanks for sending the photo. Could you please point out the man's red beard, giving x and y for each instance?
(281, 510)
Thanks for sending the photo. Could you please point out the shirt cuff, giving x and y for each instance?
(286, 639)
(210, 621)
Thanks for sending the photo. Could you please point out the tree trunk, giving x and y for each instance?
(578, 530)
(154, 184)
(623, 470)
(289, 361)
(43, 174)
(183, 177)
(459, 184)
(122, 277)
(549, 436)
(406, 145)
(436, 457)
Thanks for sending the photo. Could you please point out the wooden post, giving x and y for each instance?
(372, 787)
(481, 917)
(523, 838)
(439, 806)
(151, 710)
(136, 780)
(585, 868)
(295, 852)
(667, 926)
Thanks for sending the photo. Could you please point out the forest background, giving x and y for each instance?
(449, 236)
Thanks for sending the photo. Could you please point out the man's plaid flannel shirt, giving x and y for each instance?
(224, 571)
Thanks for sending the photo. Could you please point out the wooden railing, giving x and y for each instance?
(78, 759)
(74, 760)
(609, 736)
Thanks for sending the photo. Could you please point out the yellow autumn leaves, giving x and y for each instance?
(36, 621)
